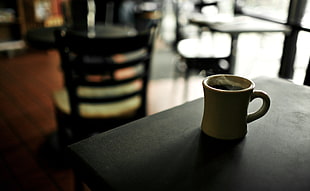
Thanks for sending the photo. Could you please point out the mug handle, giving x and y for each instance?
(263, 109)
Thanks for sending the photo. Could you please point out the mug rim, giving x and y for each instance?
(250, 87)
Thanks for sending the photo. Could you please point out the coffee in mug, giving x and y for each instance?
(226, 101)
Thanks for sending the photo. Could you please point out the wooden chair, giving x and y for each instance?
(106, 82)
(182, 11)
(192, 47)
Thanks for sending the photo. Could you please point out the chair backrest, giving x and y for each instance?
(185, 9)
(97, 62)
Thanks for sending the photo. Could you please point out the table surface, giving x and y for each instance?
(168, 151)
(43, 38)
(240, 24)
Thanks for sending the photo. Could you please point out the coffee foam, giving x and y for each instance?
(223, 80)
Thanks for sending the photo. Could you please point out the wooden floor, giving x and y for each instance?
(27, 118)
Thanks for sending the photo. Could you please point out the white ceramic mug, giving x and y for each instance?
(226, 101)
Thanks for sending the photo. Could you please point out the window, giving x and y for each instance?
(306, 17)
(270, 9)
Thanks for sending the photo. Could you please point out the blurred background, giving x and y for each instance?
(29, 74)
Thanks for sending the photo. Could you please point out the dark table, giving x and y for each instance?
(44, 39)
(41, 38)
(237, 25)
(168, 151)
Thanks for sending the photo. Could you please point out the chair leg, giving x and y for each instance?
(179, 68)
(78, 184)
(186, 84)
